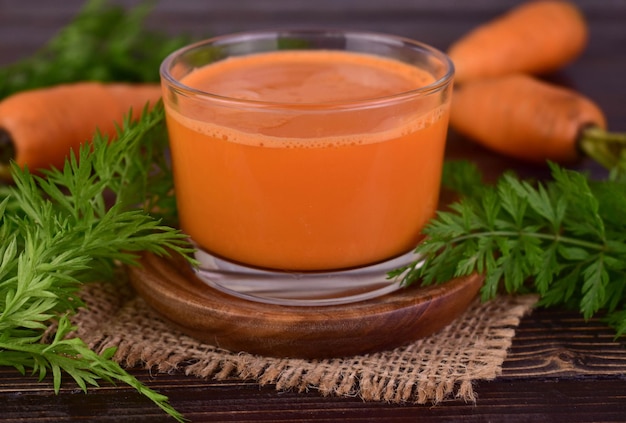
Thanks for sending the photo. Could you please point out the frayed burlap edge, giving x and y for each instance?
(430, 370)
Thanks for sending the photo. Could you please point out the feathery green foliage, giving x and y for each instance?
(102, 43)
(564, 239)
(62, 230)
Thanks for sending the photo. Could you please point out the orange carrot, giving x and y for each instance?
(38, 128)
(522, 117)
(536, 37)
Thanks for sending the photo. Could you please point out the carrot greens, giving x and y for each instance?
(104, 42)
(78, 224)
(564, 239)
(60, 231)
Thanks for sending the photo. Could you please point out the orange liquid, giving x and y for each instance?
(301, 190)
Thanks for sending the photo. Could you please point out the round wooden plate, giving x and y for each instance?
(171, 288)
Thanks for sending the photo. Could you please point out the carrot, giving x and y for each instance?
(536, 37)
(525, 118)
(38, 128)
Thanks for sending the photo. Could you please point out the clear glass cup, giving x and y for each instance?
(306, 162)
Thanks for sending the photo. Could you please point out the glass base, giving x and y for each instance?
(300, 289)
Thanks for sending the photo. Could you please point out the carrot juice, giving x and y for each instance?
(306, 160)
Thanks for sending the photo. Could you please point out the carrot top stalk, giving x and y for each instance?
(536, 37)
(532, 120)
(606, 148)
(39, 128)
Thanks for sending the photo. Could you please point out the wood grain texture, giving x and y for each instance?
(550, 399)
(586, 348)
(171, 287)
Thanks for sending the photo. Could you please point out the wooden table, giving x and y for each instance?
(559, 369)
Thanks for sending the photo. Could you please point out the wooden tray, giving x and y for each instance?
(170, 287)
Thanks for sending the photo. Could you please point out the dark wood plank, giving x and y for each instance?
(560, 368)
(510, 400)
(559, 343)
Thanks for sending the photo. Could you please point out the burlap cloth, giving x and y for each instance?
(429, 370)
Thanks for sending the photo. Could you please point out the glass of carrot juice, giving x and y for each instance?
(306, 162)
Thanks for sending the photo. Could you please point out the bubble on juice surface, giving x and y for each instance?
(393, 129)
(309, 99)
(246, 94)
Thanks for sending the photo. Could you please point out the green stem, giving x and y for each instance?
(606, 148)
(21, 348)
(101, 368)
(550, 237)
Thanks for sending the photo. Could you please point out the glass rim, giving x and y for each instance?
(435, 86)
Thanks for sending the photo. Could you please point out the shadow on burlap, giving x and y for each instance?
(444, 365)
